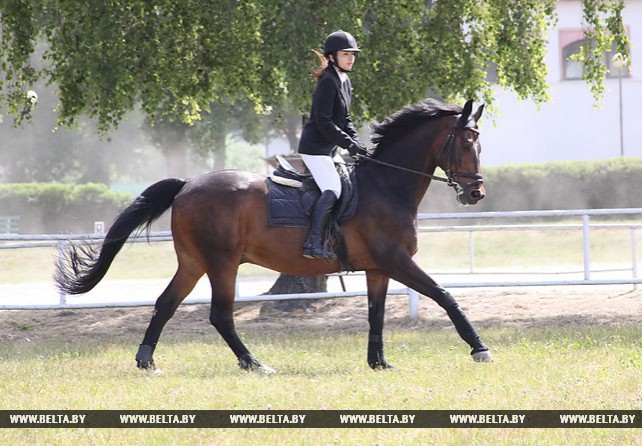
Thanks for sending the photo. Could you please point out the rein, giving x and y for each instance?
(449, 146)
(417, 172)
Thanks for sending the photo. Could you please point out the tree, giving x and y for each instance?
(209, 134)
(170, 136)
(108, 57)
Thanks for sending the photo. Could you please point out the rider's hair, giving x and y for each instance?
(318, 71)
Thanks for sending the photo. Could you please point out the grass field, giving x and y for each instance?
(577, 367)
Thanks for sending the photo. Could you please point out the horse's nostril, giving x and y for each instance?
(476, 194)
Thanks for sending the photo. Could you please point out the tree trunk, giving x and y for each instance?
(288, 284)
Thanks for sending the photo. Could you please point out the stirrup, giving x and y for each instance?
(311, 253)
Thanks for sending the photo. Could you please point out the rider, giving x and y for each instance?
(327, 127)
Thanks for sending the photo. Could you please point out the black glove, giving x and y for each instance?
(357, 150)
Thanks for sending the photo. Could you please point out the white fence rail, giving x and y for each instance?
(585, 227)
(471, 276)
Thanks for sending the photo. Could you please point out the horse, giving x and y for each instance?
(219, 221)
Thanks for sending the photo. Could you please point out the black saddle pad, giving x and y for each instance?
(292, 206)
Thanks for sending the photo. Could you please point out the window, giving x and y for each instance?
(574, 69)
(491, 73)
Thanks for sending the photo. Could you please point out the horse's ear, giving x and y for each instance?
(478, 113)
(465, 114)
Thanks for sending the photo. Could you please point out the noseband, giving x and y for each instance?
(447, 147)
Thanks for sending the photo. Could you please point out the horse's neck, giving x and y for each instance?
(417, 152)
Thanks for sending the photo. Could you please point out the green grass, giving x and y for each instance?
(576, 367)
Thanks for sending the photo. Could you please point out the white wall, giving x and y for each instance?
(569, 127)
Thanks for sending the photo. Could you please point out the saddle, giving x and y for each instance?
(293, 194)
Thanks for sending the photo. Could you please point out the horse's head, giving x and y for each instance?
(459, 156)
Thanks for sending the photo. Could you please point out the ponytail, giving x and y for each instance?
(319, 71)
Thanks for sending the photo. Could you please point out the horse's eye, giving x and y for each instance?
(470, 137)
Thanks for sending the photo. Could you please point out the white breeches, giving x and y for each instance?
(324, 172)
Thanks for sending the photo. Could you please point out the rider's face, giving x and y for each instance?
(345, 59)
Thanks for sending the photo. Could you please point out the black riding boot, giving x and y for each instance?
(313, 247)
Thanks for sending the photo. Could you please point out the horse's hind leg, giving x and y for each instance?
(181, 285)
(222, 317)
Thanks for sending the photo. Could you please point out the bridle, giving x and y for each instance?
(447, 147)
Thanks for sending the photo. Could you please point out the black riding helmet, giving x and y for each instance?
(339, 41)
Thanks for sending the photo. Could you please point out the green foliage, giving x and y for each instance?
(209, 135)
(603, 29)
(17, 43)
(447, 48)
(176, 58)
(49, 208)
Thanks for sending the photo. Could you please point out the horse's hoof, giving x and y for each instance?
(250, 364)
(377, 366)
(484, 356)
(144, 358)
(146, 365)
(261, 369)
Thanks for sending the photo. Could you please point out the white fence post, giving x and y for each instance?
(634, 255)
(413, 304)
(61, 255)
(471, 251)
(587, 247)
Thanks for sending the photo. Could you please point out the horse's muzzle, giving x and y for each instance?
(470, 193)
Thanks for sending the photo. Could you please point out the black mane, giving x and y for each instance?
(406, 119)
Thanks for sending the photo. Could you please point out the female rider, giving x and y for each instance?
(328, 127)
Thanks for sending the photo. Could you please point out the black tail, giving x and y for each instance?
(83, 266)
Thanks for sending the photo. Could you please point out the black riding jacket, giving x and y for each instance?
(329, 123)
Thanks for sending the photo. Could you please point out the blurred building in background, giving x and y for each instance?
(572, 126)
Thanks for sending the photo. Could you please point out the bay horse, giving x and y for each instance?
(220, 220)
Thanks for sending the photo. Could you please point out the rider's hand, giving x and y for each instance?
(357, 150)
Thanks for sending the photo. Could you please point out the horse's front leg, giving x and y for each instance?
(377, 289)
(406, 271)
